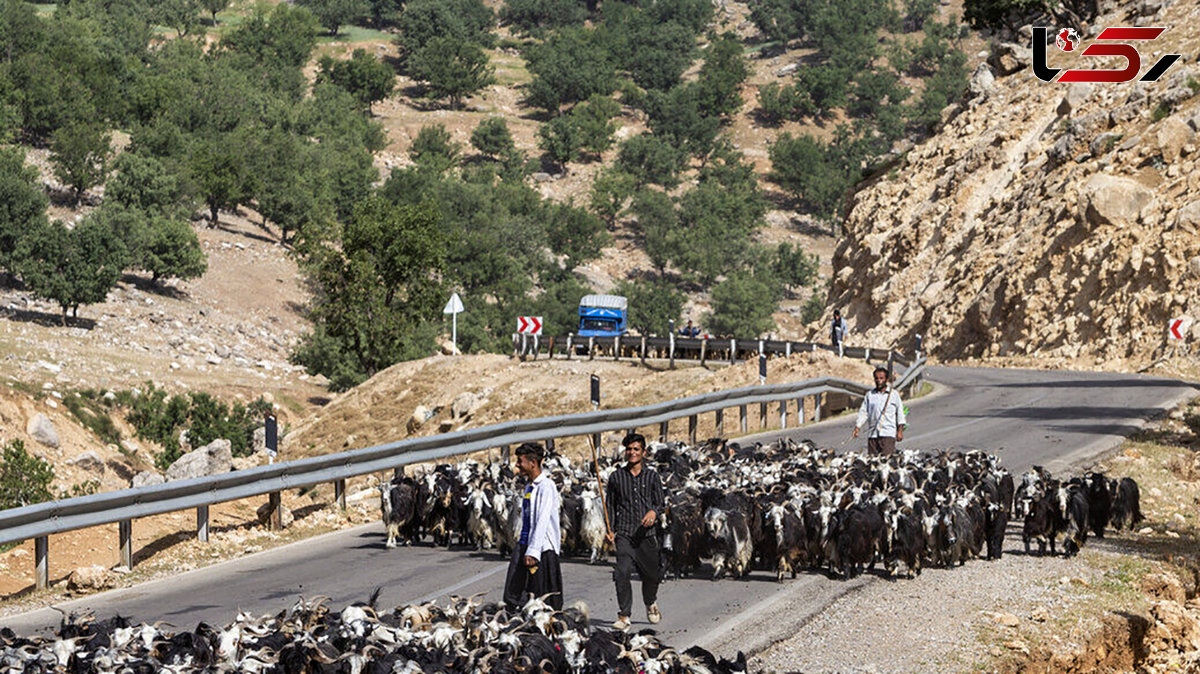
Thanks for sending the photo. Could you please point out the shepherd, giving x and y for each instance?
(636, 502)
(533, 569)
(883, 412)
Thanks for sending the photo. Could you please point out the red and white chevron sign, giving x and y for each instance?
(529, 325)
(1177, 327)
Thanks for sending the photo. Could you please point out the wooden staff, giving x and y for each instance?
(600, 485)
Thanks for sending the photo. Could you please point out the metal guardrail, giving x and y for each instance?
(40, 520)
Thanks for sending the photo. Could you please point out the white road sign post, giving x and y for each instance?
(454, 307)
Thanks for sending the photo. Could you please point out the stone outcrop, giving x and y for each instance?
(1050, 221)
(211, 459)
(42, 429)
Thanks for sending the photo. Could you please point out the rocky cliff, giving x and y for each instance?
(1043, 219)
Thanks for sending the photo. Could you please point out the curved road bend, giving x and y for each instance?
(1052, 418)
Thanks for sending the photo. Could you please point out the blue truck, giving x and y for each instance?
(603, 316)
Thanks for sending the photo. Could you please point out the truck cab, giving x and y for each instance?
(603, 316)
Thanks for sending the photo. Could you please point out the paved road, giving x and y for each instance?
(1059, 419)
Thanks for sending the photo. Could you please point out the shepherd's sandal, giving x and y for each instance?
(653, 614)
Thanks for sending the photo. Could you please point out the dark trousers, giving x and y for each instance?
(640, 552)
(885, 446)
(520, 584)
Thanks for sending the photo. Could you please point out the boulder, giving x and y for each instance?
(787, 70)
(1173, 133)
(1077, 94)
(1188, 217)
(1008, 57)
(91, 579)
(88, 461)
(465, 404)
(146, 478)
(419, 416)
(211, 459)
(1103, 143)
(982, 80)
(42, 429)
(264, 515)
(1112, 200)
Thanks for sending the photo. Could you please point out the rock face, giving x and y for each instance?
(465, 404)
(42, 430)
(215, 457)
(1036, 221)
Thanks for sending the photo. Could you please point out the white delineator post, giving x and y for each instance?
(454, 307)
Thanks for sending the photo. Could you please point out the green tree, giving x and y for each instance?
(433, 150)
(722, 75)
(611, 190)
(529, 16)
(658, 219)
(824, 87)
(593, 123)
(384, 12)
(377, 298)
(22, 203)
(180, 15)
(214, 6)
(80, 154)
(219, 168)
(716, 220)
(814, 172)
(680, 118)
(71, 267)
(423, 20)
(365, 77)
(874, 90)
(285, 37)
(571, 65)
(333, 14)
(172, 250)
(793, 266)
(491, 137)
(452, 68)
(24, 478)
(742, 305)
(652, 305)
(575, 234)
(651, 160)
(560, 140)
(143, 182)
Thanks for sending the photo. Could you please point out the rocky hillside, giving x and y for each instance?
(1044, 219)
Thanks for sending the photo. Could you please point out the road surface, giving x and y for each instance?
(1058, 419)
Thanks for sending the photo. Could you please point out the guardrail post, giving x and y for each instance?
(570, 337)
(663, 430)
(591, 347)
(760, 347)
(782, 414)
(732, 351)
(703, 350)
(339, 493)
(787, 350)
(276, 516)
(504, 452)
(868, 356)
(202, 523)
(125, 538)
(643, 350)
(596, 442)
(917, 353)
(799, 411)
(762, 415)
(616, 347)
(817, 407)
(693, 422)
(720, 423)
(41, 561)
(550, 348)
(742, 418)
(671, 349)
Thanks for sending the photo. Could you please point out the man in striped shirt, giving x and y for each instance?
(635, 502)
(533, 569)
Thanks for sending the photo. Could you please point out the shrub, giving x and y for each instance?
(93, 416)
(24, 478)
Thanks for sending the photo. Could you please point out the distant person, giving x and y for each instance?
(635, 501)
(883, 414)
(837, 332)
(533, 569)
(689, 330)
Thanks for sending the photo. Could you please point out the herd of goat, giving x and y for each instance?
(783, 507)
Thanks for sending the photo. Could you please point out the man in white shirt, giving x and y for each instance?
(883, 414)
(533, 569)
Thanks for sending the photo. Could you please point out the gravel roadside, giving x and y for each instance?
(930, 623)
